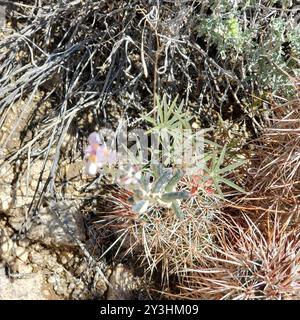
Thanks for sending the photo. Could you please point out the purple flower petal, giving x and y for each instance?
(101, 154)
(112, 158)
(89, 150)
(94, 138)
(91, 168)
(100, 164)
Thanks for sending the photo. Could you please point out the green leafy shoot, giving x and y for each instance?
(217, 171)
(168, 117)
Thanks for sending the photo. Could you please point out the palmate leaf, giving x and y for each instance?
(221, 159)
(216, 172)
(218, 189)
(149, 119)
(177, 209)
(231, 184)
(157, 170)
(231, 167)
(140, 206)
(173, 182)
(145, 182)
(169, 110)
(214, 161)
(209, 142)
(168, 116)
(171, 196)
(162, 181)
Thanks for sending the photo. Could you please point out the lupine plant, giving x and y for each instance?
(160, 185)
(161, 191)
(157, 206)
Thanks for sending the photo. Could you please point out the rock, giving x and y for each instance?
(4, 226)
(6, 243)
(58, 232)
(50, 262)
(36, 257)
(25, 288)
(101, 287)
(123, 283)
(6, 174)
(6, 246)
(71, 287)
(24, 243)
(66, 257)
(82, 267)
(15, 257)
(73, 170)
(21, 267)
(5, 199)
(52, 279)
(63, 260)
(78, 292)
(59, 269)
(21, 253)
(16, 218)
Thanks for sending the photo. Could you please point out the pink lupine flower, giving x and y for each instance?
(105, 156)
(91, 167)
(97, 155)
(132, 175)
(94, 138)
